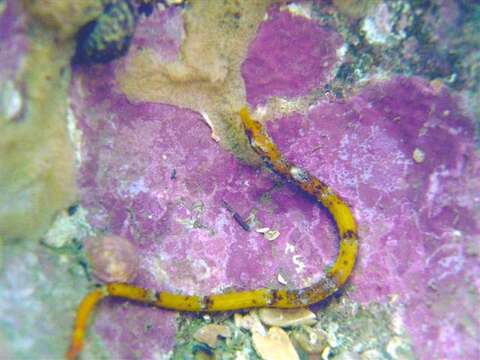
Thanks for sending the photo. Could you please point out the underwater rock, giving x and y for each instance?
(251, 322)
(210, 333)
(290, 56)
(276, 345)
(310, 340)
(151, 173)
(287, 317)
(416, 219)
(362, 147)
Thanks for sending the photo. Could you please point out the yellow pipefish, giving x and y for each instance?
(332, 280)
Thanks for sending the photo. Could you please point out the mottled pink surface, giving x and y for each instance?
(130, 152)
(417, 220)
(289, 57)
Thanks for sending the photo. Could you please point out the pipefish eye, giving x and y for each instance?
(108, 37)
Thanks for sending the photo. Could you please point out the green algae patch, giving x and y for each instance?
(36, 156)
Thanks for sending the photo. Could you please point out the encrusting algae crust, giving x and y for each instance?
(333, 279)
(36, 156)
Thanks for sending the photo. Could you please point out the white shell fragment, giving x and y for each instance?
(281, 279)
(287, 317)
(276, 345)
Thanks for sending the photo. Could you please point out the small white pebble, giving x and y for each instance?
(262, 230)
(418, 156)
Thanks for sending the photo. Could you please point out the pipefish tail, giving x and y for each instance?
(330, 282)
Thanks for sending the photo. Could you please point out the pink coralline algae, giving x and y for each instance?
(152, 173)
(290, 56)
(416, 220)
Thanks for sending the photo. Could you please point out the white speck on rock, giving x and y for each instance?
(299, 264)
(281, 279)
(372, 354)
(418, 155)
(378, 27)
(10, 101)
(303, 9)
(397, 348)
(65, 228)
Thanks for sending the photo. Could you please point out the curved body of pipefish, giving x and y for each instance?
(334, 278)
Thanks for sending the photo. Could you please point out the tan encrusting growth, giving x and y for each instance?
(206, 75)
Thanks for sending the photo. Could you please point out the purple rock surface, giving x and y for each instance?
(290, 56)
(417, 220)
(400, 151)
(152, 173)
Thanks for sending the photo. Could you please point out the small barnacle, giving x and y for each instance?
(108, 37)
(112, 258)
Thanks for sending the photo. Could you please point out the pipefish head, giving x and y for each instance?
(257, 137)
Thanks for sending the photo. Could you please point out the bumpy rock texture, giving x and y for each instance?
(151, 172)
(36, 157)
